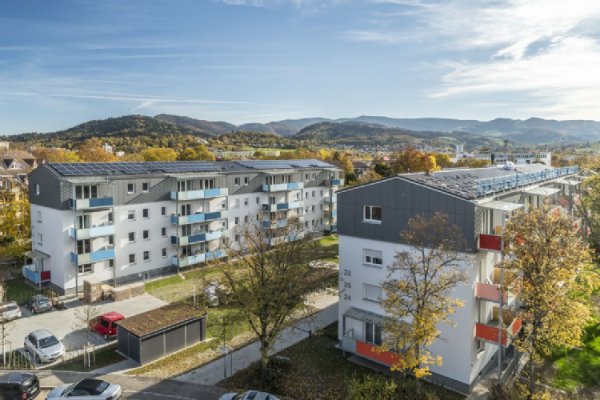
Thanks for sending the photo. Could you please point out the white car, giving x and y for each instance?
(86, 389)
(10, 311)
(249, 395)
(43, 346)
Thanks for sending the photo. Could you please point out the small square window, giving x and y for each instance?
(246, 202)
(164, 252)
(236, 181)
(130, 188)
(163, 231)
(132, 259)
(236, 220)
(145, 187)
(163, 211)
(131, 215)
(372, 214)
(131, 236)
(146, 234)
(146, 256)
(146, 213)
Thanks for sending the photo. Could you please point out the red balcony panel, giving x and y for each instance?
(45, 276)
(515, 327)
(490, 242)
(489, 291)
(489, 333)
(369, 351)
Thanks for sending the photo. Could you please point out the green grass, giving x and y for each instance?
(104, 357)
(316, 370)
(17, 290)
(576, 368)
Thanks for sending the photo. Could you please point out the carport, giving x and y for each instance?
(154, 334)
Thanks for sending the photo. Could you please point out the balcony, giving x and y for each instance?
(282, 187)
(330, 213)
(331, 228)
(282, 206)
(334, 182)
(280, 223)
(196, 238)
(368, 351)
(197, 218)
(199, 194)
(95, 256)
(88, 204)
(93, 232)
(330, 199)
(182, 262)
(31, 273)
(490, 242)
(490, 331)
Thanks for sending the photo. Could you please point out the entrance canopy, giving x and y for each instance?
(542, 191)
(365, 316)
(36, 254)
(502, 205)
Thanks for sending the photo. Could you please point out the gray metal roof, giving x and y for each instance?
(175, 167)
(473, 183)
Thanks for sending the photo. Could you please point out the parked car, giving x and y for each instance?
(18, 386)
(105, 324)
(43, 346)
(86, 389)
(10, 311)
(249, 395)
(39, 303)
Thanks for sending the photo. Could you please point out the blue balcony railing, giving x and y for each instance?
(282, 187)
(197, 259)
(95, 256)
(86, 204)
(90, 233)
(196, 238)
(197, 218)
(199, 194)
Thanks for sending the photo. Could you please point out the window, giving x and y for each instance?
(86, 191)
(109, 217)
(130, 188)
(372, 214)
(372, 257)
(306, 177)
(131, 237)
(246, 180)
(321, 193)
(132, 259)
(236, 181)
(246, 219)
(306, 195)
(111, 240)
(186, 209)
(237, 238)
(85, 269)
(40, 241)
(258, 200)
(246, 202)
(84, 246)
(163, 211)
(111, 263)
(146, 234)
(373, 333)
(145, 187)
(146, 213)
(313, 193)
(131, 215)
(37, 189)
(236, 220)
(164, 252)
(146, 256)
(163, 231)
(372, 292)
(306, 224)
(312, 208)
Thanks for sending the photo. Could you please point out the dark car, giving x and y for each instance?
(18, 386)
(39, 303)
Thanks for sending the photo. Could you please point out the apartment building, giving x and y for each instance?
(479, 202)
(121, 222)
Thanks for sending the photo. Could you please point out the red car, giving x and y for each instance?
(105, 324)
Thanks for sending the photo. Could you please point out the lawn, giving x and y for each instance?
(17, 290)
(578, 368)
(104, 357)
(316, 370)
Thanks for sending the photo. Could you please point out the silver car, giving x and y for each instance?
(249, 395)
(43, 346)
(86, 389)
(10, 311)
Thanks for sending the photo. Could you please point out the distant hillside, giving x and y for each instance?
(363, 134)
(198, 125)
(286, 127)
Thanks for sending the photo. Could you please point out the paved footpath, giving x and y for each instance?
(213, 372)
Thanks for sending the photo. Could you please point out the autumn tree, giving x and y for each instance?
(199, 152)
(413, 160)
(269, 282)
(15, 222)
(368, 176)
(159, 154)
(588, 208)
(418, 291)
(471, 163)
(56, 155)
(91, 150)
(552, 263)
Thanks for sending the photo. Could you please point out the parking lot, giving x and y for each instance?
(63, 323)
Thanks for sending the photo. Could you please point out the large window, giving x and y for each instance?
(372, 214)
(131, 188)
(373, 333)
(85, 269)
(86, 191)
(372, 257)
(372, 292)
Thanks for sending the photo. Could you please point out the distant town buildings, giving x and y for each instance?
(497, 158)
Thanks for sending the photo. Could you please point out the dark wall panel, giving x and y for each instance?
(134, 348)
(175, 339)
(193, 333)
(153, 348)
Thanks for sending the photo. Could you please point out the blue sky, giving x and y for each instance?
(65, 62)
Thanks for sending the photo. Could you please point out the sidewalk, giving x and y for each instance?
(214, 372)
